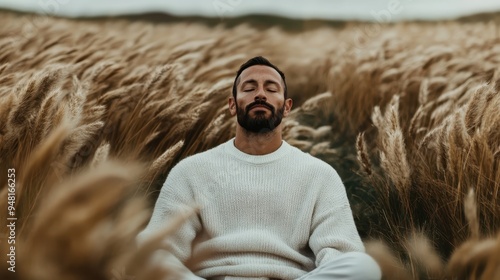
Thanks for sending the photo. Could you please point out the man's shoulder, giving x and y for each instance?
(201, 158)
(301, 158)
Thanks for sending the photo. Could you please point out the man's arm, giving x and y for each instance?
(176, 198)
(332, 229)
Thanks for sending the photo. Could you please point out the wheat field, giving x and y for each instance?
(95, 113)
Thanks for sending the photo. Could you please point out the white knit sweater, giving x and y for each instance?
(273, 216)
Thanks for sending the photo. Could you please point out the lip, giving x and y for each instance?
(259, 106)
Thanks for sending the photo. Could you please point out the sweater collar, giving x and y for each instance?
(257, 159)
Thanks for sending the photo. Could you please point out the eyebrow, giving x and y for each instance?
(266, 82)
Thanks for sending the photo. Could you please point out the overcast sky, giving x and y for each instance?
(379, 10)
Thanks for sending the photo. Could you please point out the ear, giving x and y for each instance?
(232, 106)
(288, 106)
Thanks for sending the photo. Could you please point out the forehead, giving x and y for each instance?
(260, 73)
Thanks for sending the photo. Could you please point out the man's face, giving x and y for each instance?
(260, 103)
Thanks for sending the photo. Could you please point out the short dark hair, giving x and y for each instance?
(258, 60)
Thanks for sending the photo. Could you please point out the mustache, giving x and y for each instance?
(260, 103)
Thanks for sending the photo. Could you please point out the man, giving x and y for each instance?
(268, 210)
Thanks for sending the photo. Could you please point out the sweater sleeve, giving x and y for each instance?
(176, 198)
(333, 230)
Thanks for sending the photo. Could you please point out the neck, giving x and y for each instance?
(257, 143)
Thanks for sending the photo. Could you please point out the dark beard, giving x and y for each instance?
(260, 124)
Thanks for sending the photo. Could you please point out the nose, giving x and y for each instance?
(260, 94)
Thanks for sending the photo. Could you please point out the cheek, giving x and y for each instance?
(278, 102)
(242, 102)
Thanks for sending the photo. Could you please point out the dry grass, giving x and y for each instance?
(94, 115)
